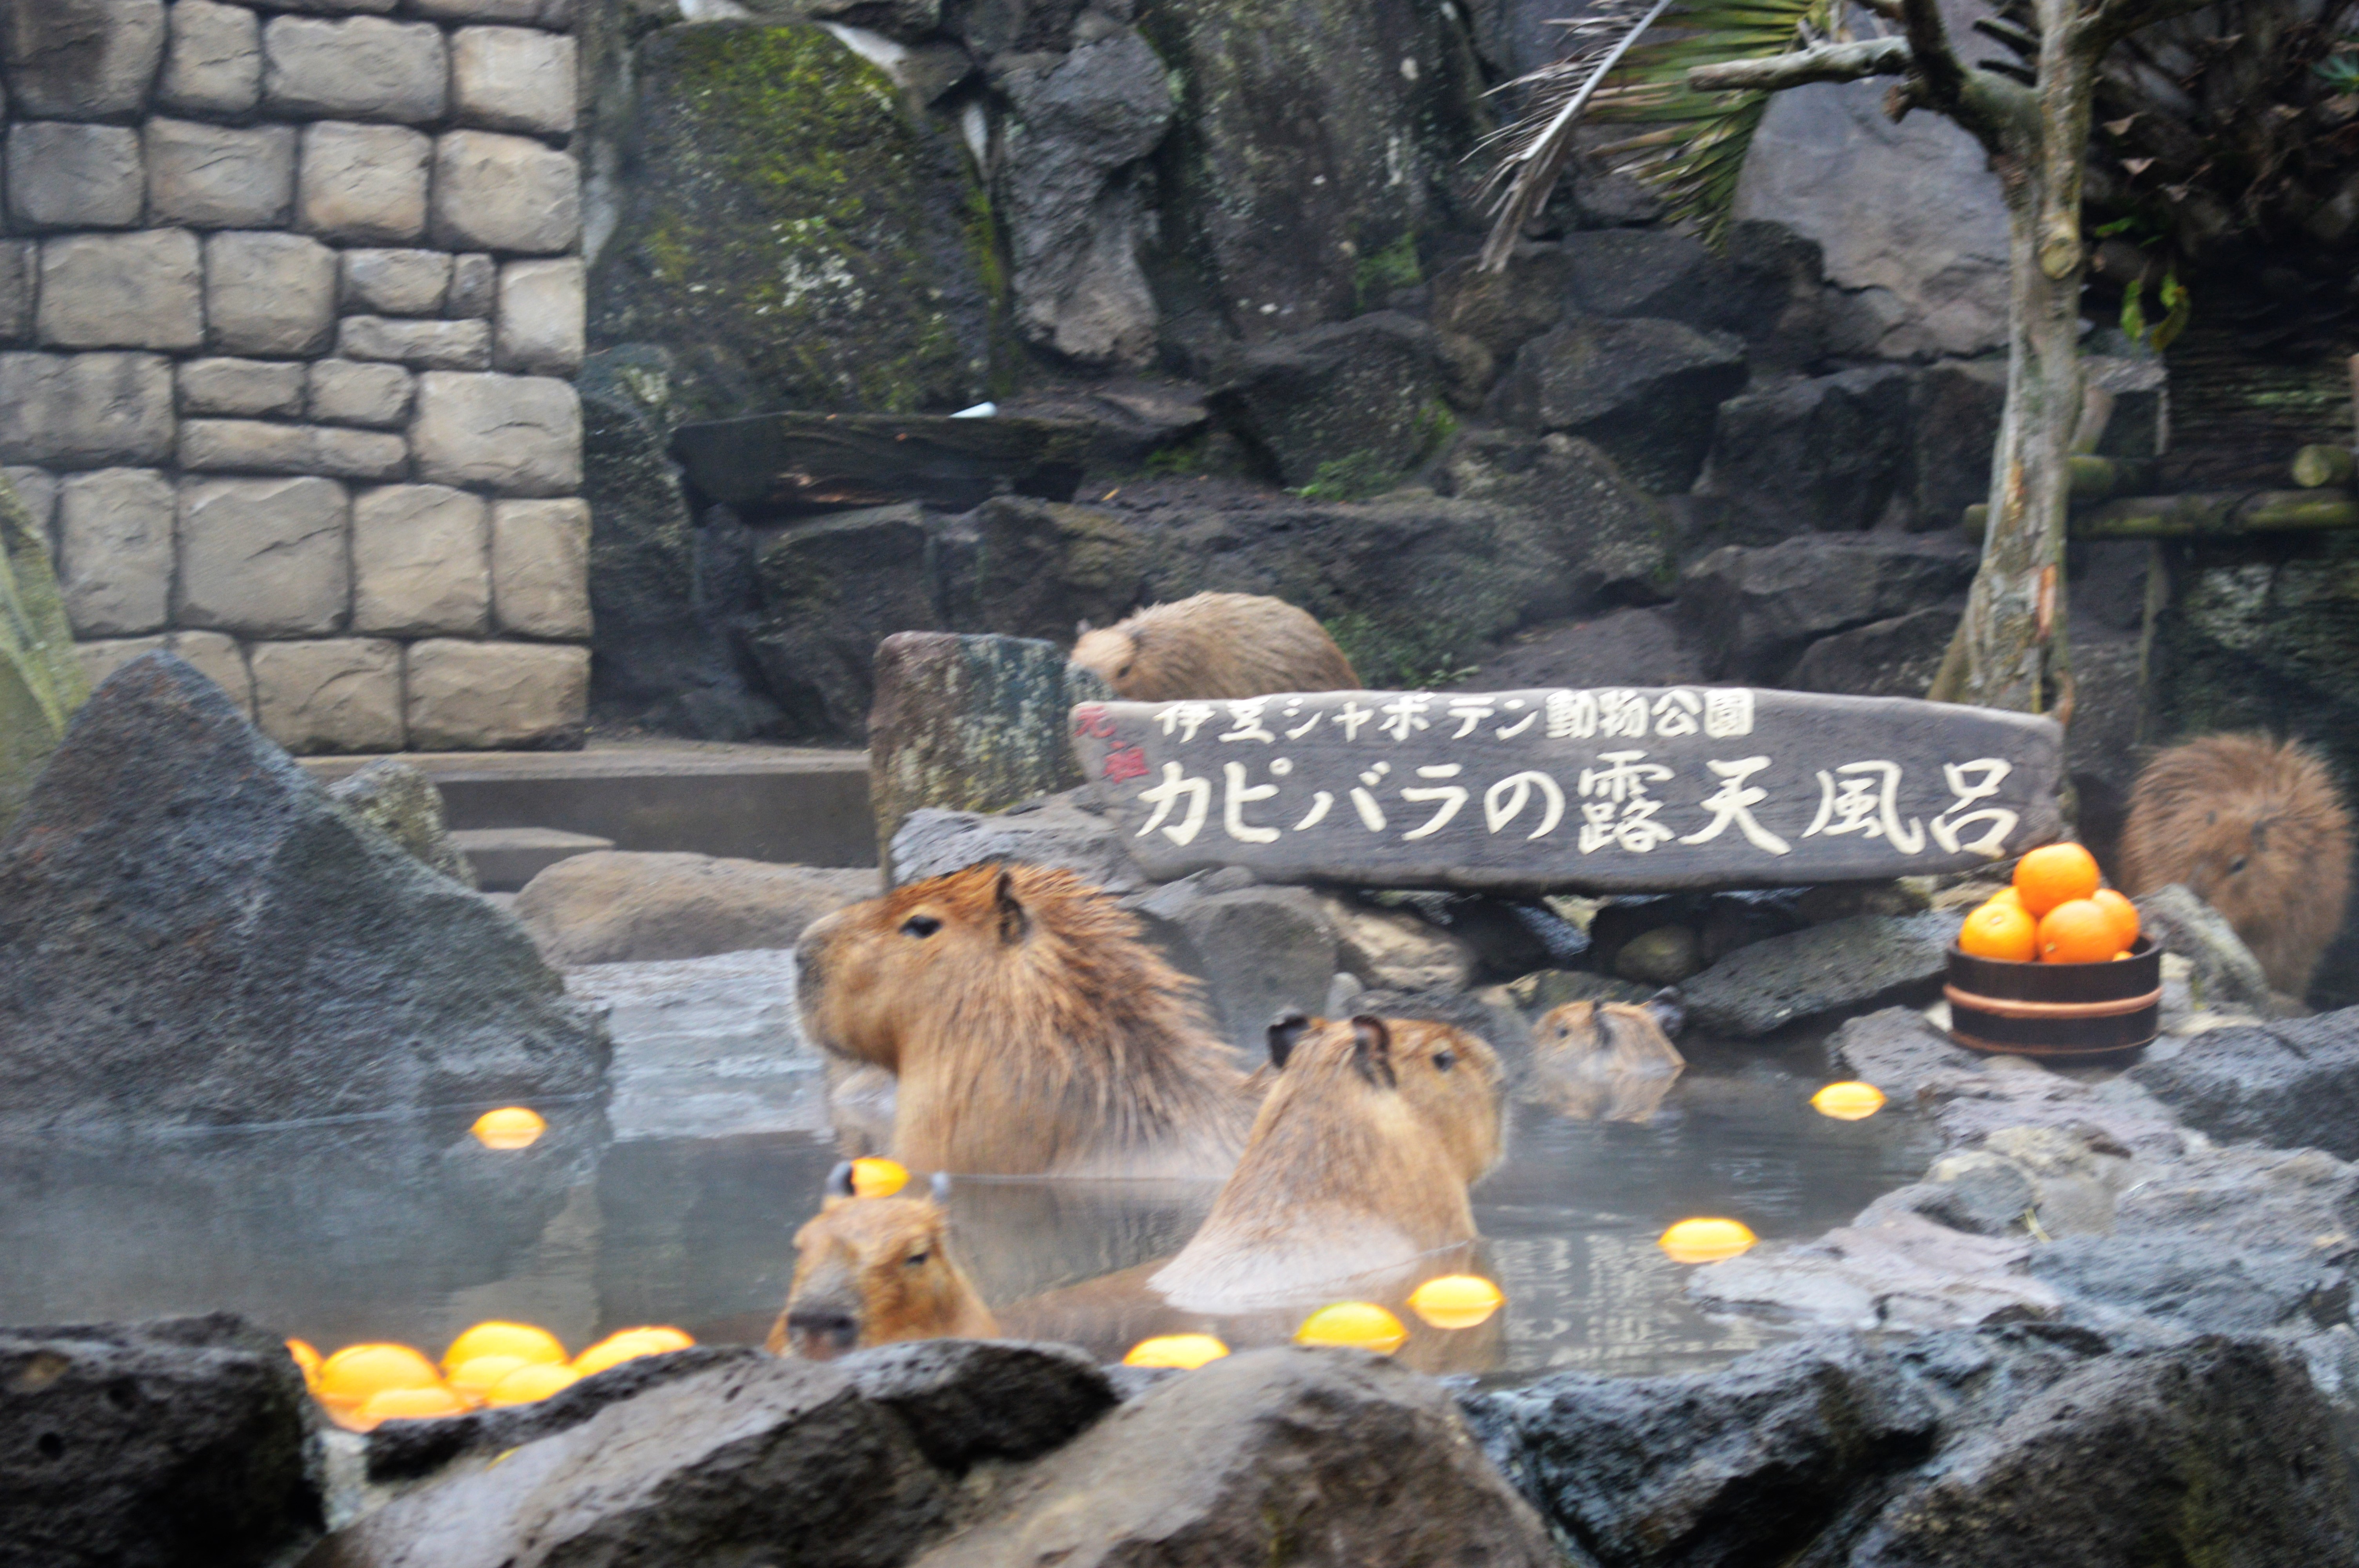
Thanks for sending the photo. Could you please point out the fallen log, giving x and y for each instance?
(2317, 468)
(2203, 516)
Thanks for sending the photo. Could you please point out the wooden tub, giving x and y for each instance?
(2064, 1012)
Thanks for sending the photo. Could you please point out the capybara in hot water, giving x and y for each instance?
(1607, 1060)
(874, 1270)
(1028, 1028)
(2256, 828)
(1215, 645)
(1360, 1160)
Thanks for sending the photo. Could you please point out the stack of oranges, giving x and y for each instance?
(2055, 913)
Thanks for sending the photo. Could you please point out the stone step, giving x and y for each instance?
(801, 805)
(507, 857)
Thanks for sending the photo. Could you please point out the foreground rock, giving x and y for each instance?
(615, 906)
(1309, 1457)
(191, 931)
(2291, 1085)
(160, 1445)
(1844, 964)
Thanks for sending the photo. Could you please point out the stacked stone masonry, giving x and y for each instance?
(290, 297)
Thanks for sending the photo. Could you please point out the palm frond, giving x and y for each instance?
(1629, 63)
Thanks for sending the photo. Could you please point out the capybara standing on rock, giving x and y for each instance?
(1360, 1161)
(1215, 645)
(2258, 830)
(1030, 1028)
(874, 1270)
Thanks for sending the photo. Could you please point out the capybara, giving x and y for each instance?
(874, 1270)
(1030, 1030)
(1609, 1060)
(1359, 1161)
(2256, 829)
(1215, 645)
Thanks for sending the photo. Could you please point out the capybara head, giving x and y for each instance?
(1388, 1077)
(1215, 645)
(1609, 1060)
(2258, 830)
(874, 1270)
(1031, 1028)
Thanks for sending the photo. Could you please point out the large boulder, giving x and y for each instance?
(1955, 413)
(1646, 390)
(1623, 548)
(1067, 830)
(615, 906)
(709, 1047)
(1025, 567)
(1827, 455)
(1752, 611)
(41, 682)
(184, 1442)
(793, 234)
(1339, 411)
(2289, 1085)
(1843, 965)
(1327, 1457)
(1898, 658)
(832, 590)
(190, 930)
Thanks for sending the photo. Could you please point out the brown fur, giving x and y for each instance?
(1359, 1161)
(1602, 1059)
(872, 1271)
(1030, 1028)
(2258, 831)
(1215, 645)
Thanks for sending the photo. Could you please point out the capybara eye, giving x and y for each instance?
(921, 925)
(914, 1259)
(2235, 865)
(1445, 1060)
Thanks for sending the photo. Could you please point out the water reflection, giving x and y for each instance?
(411, 1230)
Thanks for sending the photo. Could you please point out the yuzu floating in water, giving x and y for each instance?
(306, 1357)
(407, 1405)
(1456, 1301)
(536, 1381)
(1706, 1240)
(2054, 874)
(510, 1127)
(348, 1378)
(1848, 1101)
(475, 1379)
(628, 1344)
(496, 1337)
(1187, 1351)
(1364, 1325)
(873, 1177)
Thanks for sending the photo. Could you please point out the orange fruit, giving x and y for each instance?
(2078, 931)
(2124, 914)
(348, 1378)
(1706, 1240)
(2007, 896)
(1362, 1325)
(2054, 874)
(2000, 931)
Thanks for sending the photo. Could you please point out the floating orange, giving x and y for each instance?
(510, 1127)
(1706, 1240)
(873, 1177)
(407, 1405)
(1848, 1101)
(348, 1378)
(496, 1337)
(476, 1377)
(1456, 1301)
(2079, 931)
(528, 1383)
(1364, 1325)
(629, 1343)
(2124, 914)
(2054, 874)
(306, 1357)
(1186, 1351)
(2000, 931)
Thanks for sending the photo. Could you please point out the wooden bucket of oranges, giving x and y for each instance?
(2055, 967)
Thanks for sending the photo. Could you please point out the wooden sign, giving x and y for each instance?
(1614, 790)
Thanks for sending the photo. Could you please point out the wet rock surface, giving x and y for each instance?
(1843, 965)
(181, 1442)
(618, 905)
(192, 930)
(2290, 1085)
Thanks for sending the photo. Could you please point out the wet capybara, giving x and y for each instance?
(874, 1270)
(1359, 1161)
(1215, 645)
(1028, 1029)
(1608, 1060)
(2256, 829)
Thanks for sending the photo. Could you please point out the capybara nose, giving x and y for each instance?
(819, 1334)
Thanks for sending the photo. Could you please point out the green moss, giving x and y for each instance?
(41, 681)
(1350, 477)
(1401, 653)
(1377, 275)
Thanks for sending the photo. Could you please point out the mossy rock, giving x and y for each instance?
(798, 235)
(41, 681)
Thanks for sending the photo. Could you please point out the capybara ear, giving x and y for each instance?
(1283, 1030)
(1013, 920)
(1372, 1050)
(839, 1181)
(1082, 628)
(941, 1186)
(1669, 1010)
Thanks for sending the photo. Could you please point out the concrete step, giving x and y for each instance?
(803, 804)
(507, 857)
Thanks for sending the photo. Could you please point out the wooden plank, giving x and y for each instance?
(1617, 790)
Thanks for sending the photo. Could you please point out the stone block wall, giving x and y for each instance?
(290, 294)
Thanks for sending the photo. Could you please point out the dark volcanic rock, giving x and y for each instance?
(966, 1399)
(1823, 456)
(1329, 1457)
(178, 1444)
(1351, 406)
(1753, 611)
(1898, 658)
(1737, 1466)
(832, 590)
(1645, 390)
(2201, 1283)
(1502, 310)
(1066, 830)
(191, 931)
(2290, 1085)
(402, 803)
(1025, 567)
(1624, 550)
(1956, 417)
(753, 1459)
(1898, 1051)
(1844, 964)
(1264, 951)
(2225, 976)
